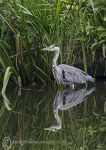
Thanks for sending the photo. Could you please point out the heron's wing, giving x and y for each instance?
(78, 96)
(71, 98)
(73, 75)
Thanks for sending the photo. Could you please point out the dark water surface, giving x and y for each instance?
(52, 119)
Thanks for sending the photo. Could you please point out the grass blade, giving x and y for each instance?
(7, 75)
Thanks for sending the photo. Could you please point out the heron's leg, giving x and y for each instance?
(73, 86)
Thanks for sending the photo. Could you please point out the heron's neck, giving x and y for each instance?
(55, 58)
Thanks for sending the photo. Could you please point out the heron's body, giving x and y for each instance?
(67, 99)
(65, 74)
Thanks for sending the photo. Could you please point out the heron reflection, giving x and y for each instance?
(65, 100)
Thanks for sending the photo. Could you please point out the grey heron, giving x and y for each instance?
(65, 74)
(66, 99)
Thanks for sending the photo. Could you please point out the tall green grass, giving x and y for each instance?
(78, 27)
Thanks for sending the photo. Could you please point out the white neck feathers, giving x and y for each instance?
(55, 58)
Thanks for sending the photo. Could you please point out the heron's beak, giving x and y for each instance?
(45, 49)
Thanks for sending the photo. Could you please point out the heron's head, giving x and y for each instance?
(51, 48)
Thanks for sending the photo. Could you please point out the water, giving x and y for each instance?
(48, 119)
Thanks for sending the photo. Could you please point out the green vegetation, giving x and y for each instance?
(78, 26)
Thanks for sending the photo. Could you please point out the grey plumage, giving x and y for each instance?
(65, 74)
(67, 99)
(74, 75)
(70, 98)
